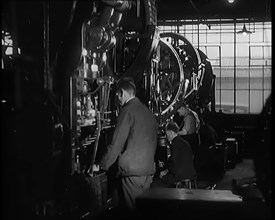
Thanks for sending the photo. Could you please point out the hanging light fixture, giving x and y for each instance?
(244, 31)
(231, 1)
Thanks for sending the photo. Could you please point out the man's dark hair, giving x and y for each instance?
(126, 84)
(172, 126)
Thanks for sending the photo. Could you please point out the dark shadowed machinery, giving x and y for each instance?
(60, 85)
(67, 59)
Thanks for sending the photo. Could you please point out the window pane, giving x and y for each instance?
(227, 37)
(227, 80)
(227, 61)
(256, 52)
(218, 99)
(188, 37)
(242, 50)
(267, 78)
(256, 55)
(213, 52)
(256, 78)
(218, 83)
(267, 54)
(194, 39)
(202, 38)
(240, 38)
(257, 35)
(257, 61)
(242, 61)
(267, 35)
(227, 97)
(227, 50)
(256, 101)
(242, 98)
(213, 38)
(242, 81)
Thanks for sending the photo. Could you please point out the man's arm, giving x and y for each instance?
(189, 123)
(119, 139)
(183, 131)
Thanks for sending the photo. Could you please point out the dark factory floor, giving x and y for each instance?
(235, 180)
(244, 169)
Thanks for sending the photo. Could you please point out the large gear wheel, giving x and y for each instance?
(191, 61)
(167, 81)
(179, 75)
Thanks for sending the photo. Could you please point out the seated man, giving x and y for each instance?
(180, 164)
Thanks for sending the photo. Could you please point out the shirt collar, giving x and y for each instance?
(129, 99)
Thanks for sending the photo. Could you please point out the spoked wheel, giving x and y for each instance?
(179, 74)
(191, 62)
(167, 79)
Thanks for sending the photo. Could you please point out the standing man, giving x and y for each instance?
(133, 145)
(189, 128)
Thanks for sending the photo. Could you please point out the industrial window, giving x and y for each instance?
(242, 64)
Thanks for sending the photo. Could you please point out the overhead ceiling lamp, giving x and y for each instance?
(244, 31)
